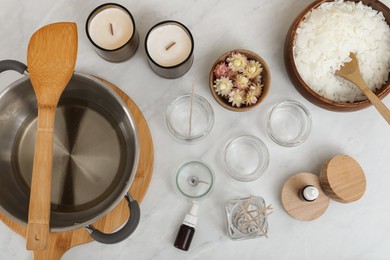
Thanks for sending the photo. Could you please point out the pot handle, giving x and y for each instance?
(122, 233)
(13, 65)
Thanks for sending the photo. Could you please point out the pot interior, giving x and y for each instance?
(94, 153)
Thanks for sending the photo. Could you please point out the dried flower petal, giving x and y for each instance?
(237, 97)
(257, 79)
(221, 70)
(237, 61)
(253, 69)
(223, 86)
(250, 98)
(257, 89)
(241, 82)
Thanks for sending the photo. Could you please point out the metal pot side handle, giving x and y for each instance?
(13, 65)
(122, 233)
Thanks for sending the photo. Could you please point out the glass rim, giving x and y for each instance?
(203, 195)
(260, 168)
(207, 107)
(304, 134)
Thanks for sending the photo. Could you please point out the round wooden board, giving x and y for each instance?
(60, 242)
(343, 179)
(297, 207)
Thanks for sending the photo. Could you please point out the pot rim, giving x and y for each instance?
(129, 181)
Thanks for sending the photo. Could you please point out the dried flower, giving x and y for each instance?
(237, 61)
(221, 70)
(237, 97)
(253, 69)
(241, 82)
(223, 86)
(250, 98)
(257, 89)
(238, 80)
(257, 79)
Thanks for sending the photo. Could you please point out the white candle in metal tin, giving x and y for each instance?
(169, 45)
(111, 28)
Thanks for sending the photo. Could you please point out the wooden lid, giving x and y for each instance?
(298, 208)
(343, 179)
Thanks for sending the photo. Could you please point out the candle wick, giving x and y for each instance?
(111, 29)
(170, 45)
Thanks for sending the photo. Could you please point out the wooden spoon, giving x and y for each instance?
(51, 58)
(351, 72)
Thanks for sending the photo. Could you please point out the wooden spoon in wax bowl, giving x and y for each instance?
(350, 71)
(51, 58)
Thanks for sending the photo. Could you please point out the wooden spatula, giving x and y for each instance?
(51, 58)
(351, 72)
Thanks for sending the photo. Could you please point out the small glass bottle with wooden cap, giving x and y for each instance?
(305, 196)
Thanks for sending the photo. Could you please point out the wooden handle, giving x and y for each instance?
(39, 209)
(53, 253)
(378, 104)
(355, 77)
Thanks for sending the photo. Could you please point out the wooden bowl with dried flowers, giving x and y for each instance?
(239, 80)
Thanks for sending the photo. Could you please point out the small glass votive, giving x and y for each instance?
(111, 29)
(289, 123)
(169, 46)
(246, 158)
(190, 118)
(247, 218)
(194, 180)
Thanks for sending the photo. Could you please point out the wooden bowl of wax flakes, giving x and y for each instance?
(333, 96)
(239, 80)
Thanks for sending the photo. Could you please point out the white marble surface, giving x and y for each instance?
(355, 231)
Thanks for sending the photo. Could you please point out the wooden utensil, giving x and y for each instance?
(51, 58)
(351, 72)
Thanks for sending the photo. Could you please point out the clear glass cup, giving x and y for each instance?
(186, 125)
(289, 123)
(194, 180)
(246, 158)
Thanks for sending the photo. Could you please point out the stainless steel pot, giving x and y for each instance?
(95, 156)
